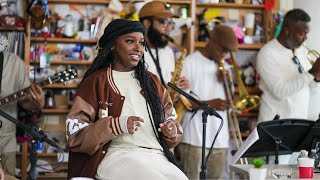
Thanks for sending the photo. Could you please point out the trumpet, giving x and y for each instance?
(312, 55)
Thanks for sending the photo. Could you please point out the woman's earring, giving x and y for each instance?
(112, 48)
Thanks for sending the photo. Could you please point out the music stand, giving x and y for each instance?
(312, 138)
(277, 137)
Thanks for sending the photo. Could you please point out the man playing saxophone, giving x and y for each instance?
(156, 16)
(202, 70)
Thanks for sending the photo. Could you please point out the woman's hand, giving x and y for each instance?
(169, 129)
(133, 123)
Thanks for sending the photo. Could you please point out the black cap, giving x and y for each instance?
(119, 27)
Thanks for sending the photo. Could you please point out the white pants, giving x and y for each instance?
(139, 164)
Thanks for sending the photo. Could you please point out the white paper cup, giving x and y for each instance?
(305, 162)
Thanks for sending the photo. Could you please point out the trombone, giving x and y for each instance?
(312, 55)
(247, 102)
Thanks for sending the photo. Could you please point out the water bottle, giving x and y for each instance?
(303, 154)
(313, 155)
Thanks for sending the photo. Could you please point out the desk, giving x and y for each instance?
(244, 170)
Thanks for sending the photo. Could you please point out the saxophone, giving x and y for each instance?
(181, 103)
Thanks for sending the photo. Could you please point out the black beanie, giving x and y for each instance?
(119, 27)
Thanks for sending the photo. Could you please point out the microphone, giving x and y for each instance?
(204, 106)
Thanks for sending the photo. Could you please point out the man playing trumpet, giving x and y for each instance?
(287, 78)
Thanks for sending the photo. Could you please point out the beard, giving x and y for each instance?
(156, 38)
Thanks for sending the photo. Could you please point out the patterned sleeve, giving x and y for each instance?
(84, 133)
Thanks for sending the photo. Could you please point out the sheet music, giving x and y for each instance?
(252, 138)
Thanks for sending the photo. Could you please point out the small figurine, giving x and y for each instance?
(68, 26)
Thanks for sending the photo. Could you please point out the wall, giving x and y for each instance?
(311, 7)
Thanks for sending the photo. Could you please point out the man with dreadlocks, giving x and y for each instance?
(122, 123)
(156, 16)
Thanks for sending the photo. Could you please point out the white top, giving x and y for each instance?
(286, 92)
(166, 61)
(314, 104)
(201, 73)
(134, 105)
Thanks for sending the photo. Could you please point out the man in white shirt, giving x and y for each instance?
(156, 18)
(202, 70)
(286, 75)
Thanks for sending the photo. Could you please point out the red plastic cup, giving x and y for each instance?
(306, 172)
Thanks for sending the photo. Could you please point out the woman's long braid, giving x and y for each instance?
(153, 100)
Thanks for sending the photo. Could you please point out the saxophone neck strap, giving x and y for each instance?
(157, 63)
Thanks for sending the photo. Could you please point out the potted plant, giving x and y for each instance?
(258, 172)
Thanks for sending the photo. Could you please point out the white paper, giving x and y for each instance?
(251, 139)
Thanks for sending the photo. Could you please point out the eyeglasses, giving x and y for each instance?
(296, 61)
(164, 21)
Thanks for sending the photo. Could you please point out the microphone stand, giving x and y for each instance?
(207, 110)
(37, 135)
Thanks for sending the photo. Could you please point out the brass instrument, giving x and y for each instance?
(181, 103)
(246, 102)
(312, 55)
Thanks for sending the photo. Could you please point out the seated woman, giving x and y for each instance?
(122, 123)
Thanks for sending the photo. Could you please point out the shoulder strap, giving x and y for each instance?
(1, 67)
(157, 63)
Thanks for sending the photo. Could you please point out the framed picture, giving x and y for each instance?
(11, 7)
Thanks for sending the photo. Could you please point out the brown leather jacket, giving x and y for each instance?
(88, 134)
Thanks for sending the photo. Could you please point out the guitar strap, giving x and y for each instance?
(1, 67)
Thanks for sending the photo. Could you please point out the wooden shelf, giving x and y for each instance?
(66, 62)
(199, 44)
(252, 114)
(243, 134)
(64, 40)
(78, 2)
(41, 154)
(108, 1)
(3, 28)
(251, 90)
(230, 5)
(53, 176)
(55, 111)
(62, 86)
